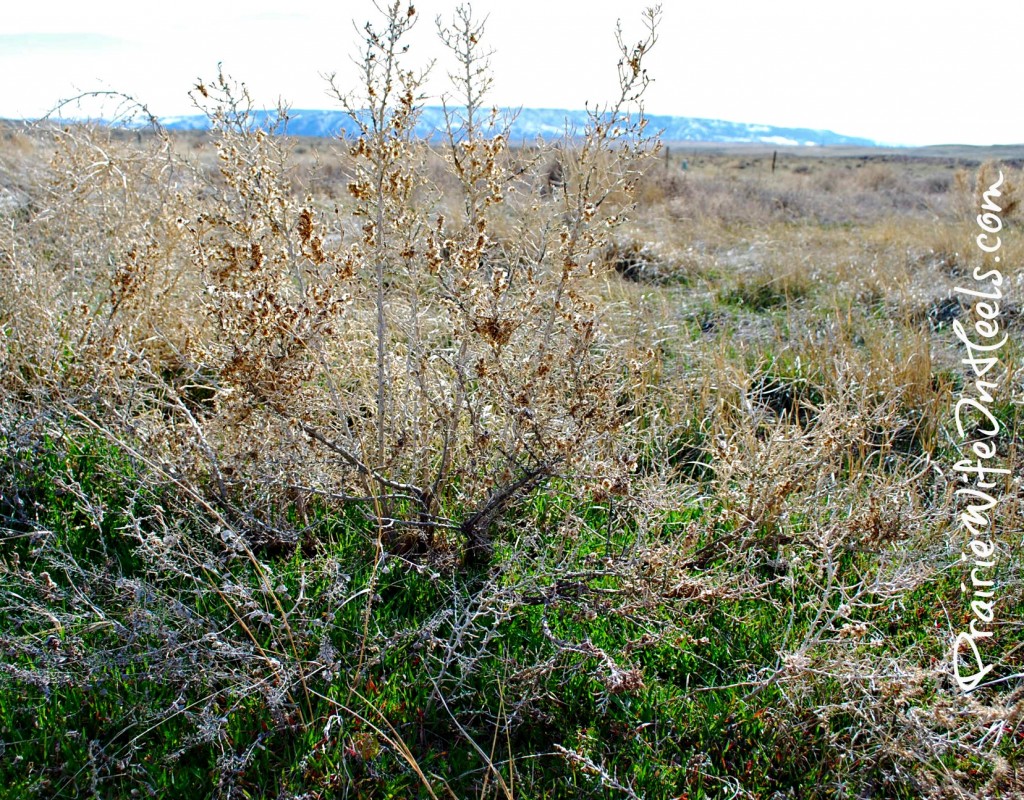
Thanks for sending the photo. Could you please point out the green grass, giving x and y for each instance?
(110, 711)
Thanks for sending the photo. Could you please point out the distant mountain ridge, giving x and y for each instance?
(554, 123)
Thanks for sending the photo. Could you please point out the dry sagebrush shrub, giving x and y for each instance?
(205, 349)
(438, 359)
(471, 363)
(92, 263)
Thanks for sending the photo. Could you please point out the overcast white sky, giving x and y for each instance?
(899, 71)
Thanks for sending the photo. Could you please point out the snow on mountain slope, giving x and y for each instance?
(531, 123)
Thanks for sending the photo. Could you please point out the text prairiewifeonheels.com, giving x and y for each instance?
(976, 421)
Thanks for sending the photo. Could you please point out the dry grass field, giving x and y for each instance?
(372, 469)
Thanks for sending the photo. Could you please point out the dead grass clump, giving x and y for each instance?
(639, 263)
(940, 313)
(790, 399)
(1007, 195)
(877, 178)
(764, 290)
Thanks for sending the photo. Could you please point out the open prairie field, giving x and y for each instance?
(368, 469)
